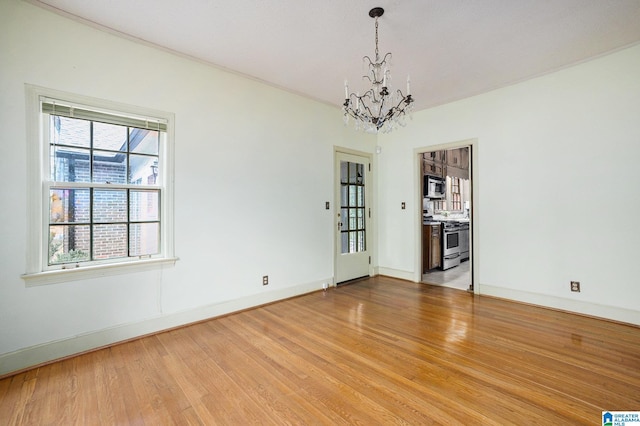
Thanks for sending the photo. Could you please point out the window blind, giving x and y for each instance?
(83, 113)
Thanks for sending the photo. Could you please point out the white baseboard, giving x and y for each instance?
(46, 352)
(396, 273)
(587, 308)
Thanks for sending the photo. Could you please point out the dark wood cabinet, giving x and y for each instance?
(457, 163)
(451, 162)
(433, 163)
(433, 169)
(431, 247)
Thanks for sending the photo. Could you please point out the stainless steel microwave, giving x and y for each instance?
(434, 187)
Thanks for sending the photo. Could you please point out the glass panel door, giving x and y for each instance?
(353, 215)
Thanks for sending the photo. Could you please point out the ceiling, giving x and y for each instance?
(452, 49)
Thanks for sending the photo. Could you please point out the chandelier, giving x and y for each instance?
(379, 108)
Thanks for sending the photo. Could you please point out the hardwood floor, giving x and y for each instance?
(378, 351)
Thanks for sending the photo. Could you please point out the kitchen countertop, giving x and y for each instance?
(440, 221)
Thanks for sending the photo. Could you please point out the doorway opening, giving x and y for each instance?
(446, 241)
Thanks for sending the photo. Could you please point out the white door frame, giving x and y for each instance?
(369, 202)
(473, 167)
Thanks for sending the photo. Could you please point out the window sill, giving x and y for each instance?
(88, 272)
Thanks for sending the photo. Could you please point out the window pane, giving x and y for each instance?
(144, 239)
(344, 199)
(68, 205)
(352, 219)
(109, 136)
(344, 172)
(360, 196)
(356, 173)
(143, 141)
(361, 242)
(344, 236)
(344, 218)
(109, 205)
(69, 164)
(109, 167)
(352, 242)
(143, 169)
(352, 195)
(144, 205)
(353, 173)
(70, 131)
(360, 218)
(109, 241)
(68, 243)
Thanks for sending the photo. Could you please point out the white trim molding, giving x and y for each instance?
(88, 272)
(569, 305)
(37, 271)
(51, 351)
(396, 273)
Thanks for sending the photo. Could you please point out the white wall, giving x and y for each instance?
(254, 167)
(556, 187)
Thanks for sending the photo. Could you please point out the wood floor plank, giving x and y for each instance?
(377, 351)
(404, 366)
(315, 373)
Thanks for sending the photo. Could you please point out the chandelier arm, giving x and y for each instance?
(363, 113)
(384, 59)
(402, 105)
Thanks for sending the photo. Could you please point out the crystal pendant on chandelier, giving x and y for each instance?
(378, 109)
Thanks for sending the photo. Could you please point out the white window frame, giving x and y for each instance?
(38, 271)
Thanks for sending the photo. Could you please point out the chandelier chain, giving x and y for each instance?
(377, 54)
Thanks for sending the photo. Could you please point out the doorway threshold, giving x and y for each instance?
(351, 281)
(458, 277)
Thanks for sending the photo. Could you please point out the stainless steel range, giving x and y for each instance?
(450, 244)
(464, 241)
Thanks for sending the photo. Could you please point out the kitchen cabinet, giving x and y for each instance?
(457, 163)
(431, 247)
(434, 169)
(435, 156)
(454, 158)
(443, 163)
(433, 163)
(464, 155)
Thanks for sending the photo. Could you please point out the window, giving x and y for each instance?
(352, 207)
(103, 184)
(456, 196)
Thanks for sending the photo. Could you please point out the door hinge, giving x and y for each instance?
(369, 212)
(369, 166)
(369, 260)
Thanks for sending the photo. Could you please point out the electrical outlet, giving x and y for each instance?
(326, 205)
(575, 286)
(265, 280)
(403, 205)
